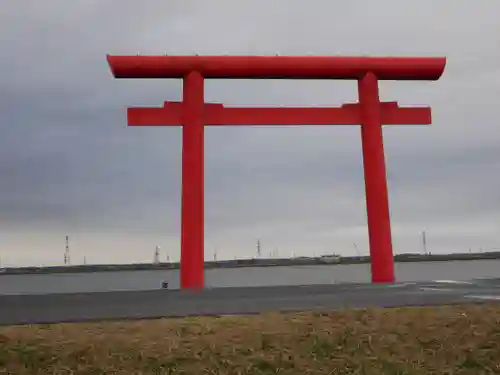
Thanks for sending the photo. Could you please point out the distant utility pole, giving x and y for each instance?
(356, 249)
(67, 260)
(258, 248)
(215, 255)
(156, 258)
(84, 259)
(424, 242)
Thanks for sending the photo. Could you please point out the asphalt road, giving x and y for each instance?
(79, 307)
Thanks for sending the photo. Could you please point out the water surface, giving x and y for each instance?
(250, 276)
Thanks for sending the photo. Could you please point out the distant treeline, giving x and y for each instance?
(246, 263)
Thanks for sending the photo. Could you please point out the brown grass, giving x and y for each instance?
(405, 341)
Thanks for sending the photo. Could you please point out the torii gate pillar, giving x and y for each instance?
(193, 184)
(377, 200)
(194, 114)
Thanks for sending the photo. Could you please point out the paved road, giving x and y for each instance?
(77, 307)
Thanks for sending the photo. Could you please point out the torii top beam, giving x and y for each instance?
(278, 67)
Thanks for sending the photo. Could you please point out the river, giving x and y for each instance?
(248, 276)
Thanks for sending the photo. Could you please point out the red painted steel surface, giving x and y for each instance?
(377, 201)
(219, 115)
(286, 67)
(193, 114)
(192, 215)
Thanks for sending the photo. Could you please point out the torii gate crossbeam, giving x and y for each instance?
(194, 114)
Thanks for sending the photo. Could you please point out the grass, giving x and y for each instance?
(404, 341)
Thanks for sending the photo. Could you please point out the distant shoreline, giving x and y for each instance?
(303, 261)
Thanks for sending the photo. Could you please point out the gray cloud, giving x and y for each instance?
(69, 164)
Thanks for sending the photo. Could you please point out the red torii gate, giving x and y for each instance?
(193, 114)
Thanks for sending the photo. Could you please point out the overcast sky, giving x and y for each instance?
(70, 166)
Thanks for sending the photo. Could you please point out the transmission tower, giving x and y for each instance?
(258, 248)
(66, 252)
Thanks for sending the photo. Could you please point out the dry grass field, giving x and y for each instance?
(403, 341)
